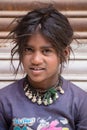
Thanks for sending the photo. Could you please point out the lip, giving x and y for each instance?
(36, 70)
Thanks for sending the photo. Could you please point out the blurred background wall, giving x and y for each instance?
(75, 10)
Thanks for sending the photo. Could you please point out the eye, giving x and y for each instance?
(28, 50)
(47, 51)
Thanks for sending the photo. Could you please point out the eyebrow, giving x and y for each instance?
(45, 46)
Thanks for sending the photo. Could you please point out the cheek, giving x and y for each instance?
(25, 61)
(54, 62)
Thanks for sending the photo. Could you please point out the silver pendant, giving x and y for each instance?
(26, 88)
(30, 95)
(39, 101)
(27, 93)
(34, 99)
(50, 101)
(56, 95)
(61, 90)
(45, 102)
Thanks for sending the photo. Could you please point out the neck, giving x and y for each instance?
(44, 85)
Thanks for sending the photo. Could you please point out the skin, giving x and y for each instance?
(41, 62)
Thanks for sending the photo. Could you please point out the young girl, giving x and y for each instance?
(43, 100)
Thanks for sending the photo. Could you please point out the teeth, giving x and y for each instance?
(36, 68)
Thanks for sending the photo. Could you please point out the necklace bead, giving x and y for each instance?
(56, 95)
(50, 101)
(30, 96)
(34, 99)
(39, 101)
(45, 102)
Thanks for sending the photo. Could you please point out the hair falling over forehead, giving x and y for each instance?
(38, 27)
(52, 24)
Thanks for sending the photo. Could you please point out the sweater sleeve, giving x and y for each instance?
(81, 123)
(3, 122)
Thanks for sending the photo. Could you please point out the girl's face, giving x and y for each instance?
(41, 61)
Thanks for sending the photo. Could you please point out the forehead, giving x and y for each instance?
(38, 39)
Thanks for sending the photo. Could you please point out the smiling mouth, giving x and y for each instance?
(37, 69)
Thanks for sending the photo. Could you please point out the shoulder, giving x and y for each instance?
(76, 96)
(11, 89)
(73, 89)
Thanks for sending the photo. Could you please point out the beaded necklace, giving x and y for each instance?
(45, 97)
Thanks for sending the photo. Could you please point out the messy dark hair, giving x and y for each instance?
(53, 25)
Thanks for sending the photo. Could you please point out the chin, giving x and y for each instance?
(36, 79)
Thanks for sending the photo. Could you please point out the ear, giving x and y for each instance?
(67, 52)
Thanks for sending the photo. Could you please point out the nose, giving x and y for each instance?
(36, 59)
